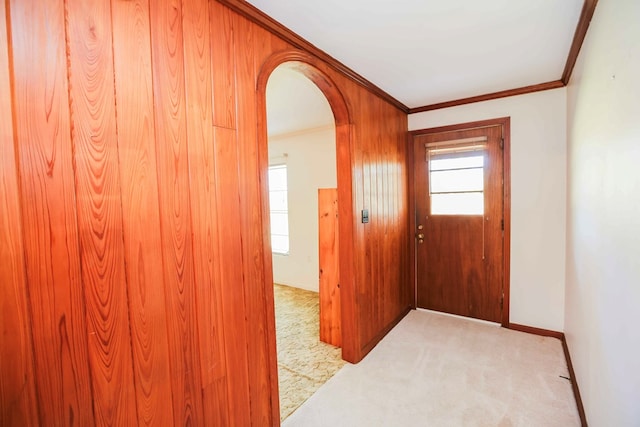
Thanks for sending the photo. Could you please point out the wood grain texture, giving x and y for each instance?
(140, 207)
(223, 66)
(99, 210)
(231, 274)
(251, 222)
(380, 142)
(505, 124)
(201, 154)
(175, 213)
(329, 261)
(264, 45)
(588, 9)
(555, 84)
(144, 214)
(18, 406)
(345, 134)
(41, 111)
(460, 263)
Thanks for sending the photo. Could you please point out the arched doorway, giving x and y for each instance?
(310, 67)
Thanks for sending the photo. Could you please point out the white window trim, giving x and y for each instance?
(273, 162)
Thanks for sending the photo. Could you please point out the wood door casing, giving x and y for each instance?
(459, 265)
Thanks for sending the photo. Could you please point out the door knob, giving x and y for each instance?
(420, 236)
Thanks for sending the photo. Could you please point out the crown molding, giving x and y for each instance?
(588, 8)
(258, 17)
(489, 96)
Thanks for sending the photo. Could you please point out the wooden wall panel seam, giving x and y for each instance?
(172, 168)
(41, 106)
(250, 220)
(18, 405)
(94, 142)
(141, 221)
(204, 217)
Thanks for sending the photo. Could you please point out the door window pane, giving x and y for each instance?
(446, 163)
(457, 204)
(449, 181)
(456, 181)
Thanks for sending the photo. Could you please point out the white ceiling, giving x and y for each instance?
(426, 51)
(294, 103)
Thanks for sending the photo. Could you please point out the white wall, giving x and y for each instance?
(603, 240)
(311, 164)
(538, 197)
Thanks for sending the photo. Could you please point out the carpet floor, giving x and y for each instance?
(304, 362)
(437, 370)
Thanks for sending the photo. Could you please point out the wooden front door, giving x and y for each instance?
(459, 222)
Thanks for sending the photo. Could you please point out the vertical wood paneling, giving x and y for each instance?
(223, 66)
(263, 45)
(141, 219)
(228, 209)
(99, 210)
(367, 246)
(48, 212)
(231, 275)
(175, 214)
(167, 202)
(198, 88)
(251, 222)
(329, 257)
(18, 396)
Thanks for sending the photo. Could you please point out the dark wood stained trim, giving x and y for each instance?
(502, 121)
(572, 375)
(574, 383)
(506, 217)
(588, 9)
(307, 64)
(371, 344)
(489, 96)
(263, 20)
(411, 203)
(258, 17)
(505, 123)
(536, 331)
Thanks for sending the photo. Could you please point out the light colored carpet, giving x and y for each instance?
(304, 363)
(437, 370)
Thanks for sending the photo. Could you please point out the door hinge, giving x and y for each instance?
(501, 143)
(502, 301)
(502, 224)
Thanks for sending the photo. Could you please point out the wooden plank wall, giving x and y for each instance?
(329, 264)
(132, 261)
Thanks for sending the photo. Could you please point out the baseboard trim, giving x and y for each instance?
(371, 344)
(567, 356)
(574, 383)
(536, 331)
